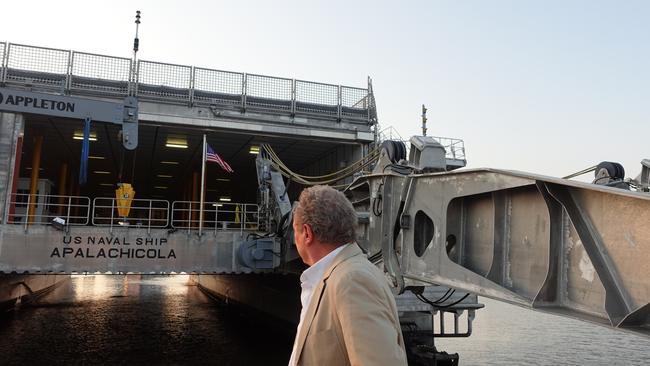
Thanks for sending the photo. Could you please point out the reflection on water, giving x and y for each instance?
(155, 320)
(509, 335)
(120, 319)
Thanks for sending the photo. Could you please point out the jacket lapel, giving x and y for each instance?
(350, 251)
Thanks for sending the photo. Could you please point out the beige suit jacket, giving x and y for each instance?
(352, 317)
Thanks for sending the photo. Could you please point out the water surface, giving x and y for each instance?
(137, 320)
(505, 334)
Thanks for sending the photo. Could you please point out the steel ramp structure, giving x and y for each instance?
(560, 246)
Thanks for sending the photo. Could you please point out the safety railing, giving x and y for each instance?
(218, 87)
(27, 209)
(269, 92)
(99, 73)
(317, 98)
(3, 54)
(217, 216)
(455, 147)
(164, 81)
(80, 72)
(46, 67)
(142, 213)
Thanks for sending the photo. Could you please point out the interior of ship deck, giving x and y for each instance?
(166, 165)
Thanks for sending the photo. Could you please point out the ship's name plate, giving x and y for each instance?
(113, 247)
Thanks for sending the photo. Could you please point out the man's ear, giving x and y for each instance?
(309, 234)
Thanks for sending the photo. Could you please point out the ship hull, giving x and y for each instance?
(16, 290)
(275, 296)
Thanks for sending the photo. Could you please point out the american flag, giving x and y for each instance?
(212, 156)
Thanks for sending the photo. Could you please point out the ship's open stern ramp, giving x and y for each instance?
(560, 246)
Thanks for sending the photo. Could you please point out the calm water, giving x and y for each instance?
(509, 335)
(136, 320)
(161, 320)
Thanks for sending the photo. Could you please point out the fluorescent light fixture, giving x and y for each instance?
(254, 150)
(176, 146)
(224, 199)
(169, 162)
(79, 135)
(164, 176)
(101, 172)
(176, 142)
(30, 168)
(223, 180)
(217, 205)
(96, 157)
(107, 184)
(160, 187)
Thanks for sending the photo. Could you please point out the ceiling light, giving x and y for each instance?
(78, 135)
(160, 187)
(169, 162)
(101, 172)
(176, 142)
(223, 180)
(96, 157)
(254, 150)
(217, 205)
(177, 146)
(224, 199)
(106, 184)
(164, 176)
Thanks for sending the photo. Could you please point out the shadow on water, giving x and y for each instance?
(136, 320)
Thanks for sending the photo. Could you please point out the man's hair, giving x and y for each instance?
(330, 215)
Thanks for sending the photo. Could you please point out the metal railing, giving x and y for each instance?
(455, 147)
(100, 74)
(143, 213)
(73, 209)
(3, 62)
(79, 72)
(216, 216)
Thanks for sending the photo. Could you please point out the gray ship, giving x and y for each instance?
(118, 165)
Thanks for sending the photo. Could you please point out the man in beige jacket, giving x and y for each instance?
(348, 316)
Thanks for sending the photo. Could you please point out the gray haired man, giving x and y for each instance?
(348, 316)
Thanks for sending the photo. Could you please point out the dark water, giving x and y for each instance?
(137, 320)
(509, 335)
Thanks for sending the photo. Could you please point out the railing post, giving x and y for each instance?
(136, 77)
(4, 62)
(87, 211)
(112, 209)
(192, 76)
(189, 219)
(67, 218)
(244, 87)
(149, 221)
(339, 111)
(216, 216)
(293, 97)
(68, 76)
(242, 222)
(29, 197)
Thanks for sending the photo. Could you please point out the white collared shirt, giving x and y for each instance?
(309, 280)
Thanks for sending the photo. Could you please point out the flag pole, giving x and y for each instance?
(202, 188)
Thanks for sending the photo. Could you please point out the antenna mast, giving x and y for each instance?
(136, 40)
(424, 120)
